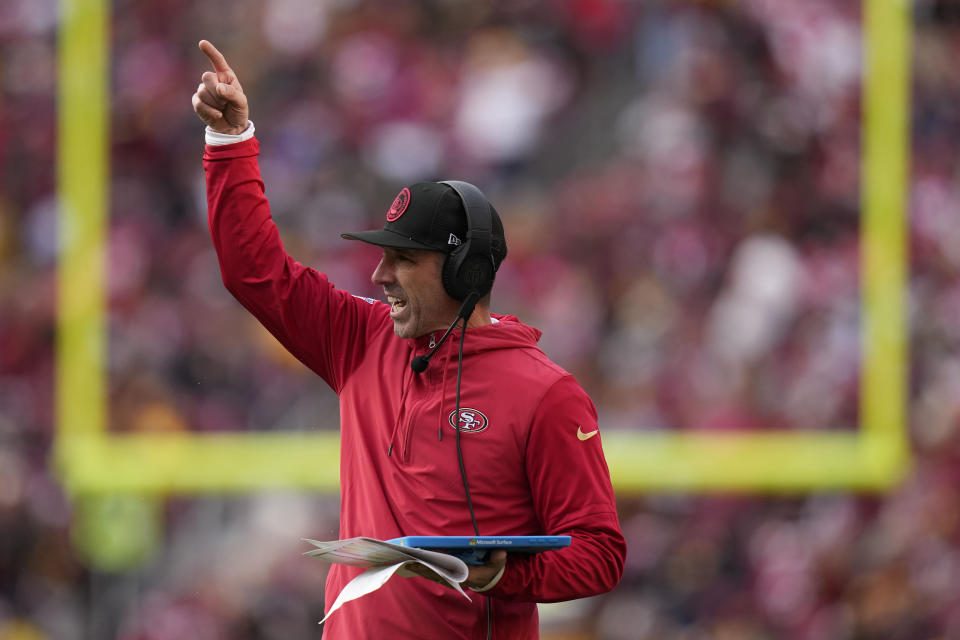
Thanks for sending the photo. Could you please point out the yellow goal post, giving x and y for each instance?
(91, 460)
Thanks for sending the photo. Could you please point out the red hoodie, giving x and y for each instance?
(533, 462)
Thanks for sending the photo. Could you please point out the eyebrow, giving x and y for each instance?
(402, 253)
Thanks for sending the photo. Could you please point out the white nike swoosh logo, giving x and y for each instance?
(586, 436)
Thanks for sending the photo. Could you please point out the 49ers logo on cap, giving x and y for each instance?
(471, 421)
(399, 205)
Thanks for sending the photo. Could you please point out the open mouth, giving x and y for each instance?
(396, 304)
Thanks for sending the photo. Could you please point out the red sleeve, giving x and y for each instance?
(573, 496)
(325, 328)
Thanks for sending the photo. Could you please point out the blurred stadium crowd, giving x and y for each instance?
(680, 184)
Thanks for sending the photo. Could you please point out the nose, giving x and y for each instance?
(383, 274)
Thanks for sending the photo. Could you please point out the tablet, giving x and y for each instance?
(474, 549)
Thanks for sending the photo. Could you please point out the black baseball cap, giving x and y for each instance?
(429, 216)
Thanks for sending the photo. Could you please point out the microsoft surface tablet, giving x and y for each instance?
(474, 549)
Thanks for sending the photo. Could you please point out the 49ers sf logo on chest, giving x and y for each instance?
(471, 421)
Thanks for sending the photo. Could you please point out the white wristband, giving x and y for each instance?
(492, 583)
(216, 139)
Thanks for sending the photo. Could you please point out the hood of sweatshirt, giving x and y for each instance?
(506, 332)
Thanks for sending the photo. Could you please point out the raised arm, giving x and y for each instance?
(325, 328)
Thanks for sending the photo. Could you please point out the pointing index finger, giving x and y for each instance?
(216, 58)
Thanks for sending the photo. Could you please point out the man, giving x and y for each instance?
(526, 432)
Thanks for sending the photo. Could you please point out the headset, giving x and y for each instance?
(470, 267)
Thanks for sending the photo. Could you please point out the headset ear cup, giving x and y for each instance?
(449, 274)
(463, 273)
(476, 274)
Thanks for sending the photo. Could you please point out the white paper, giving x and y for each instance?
(367, 582)
(382, 560)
